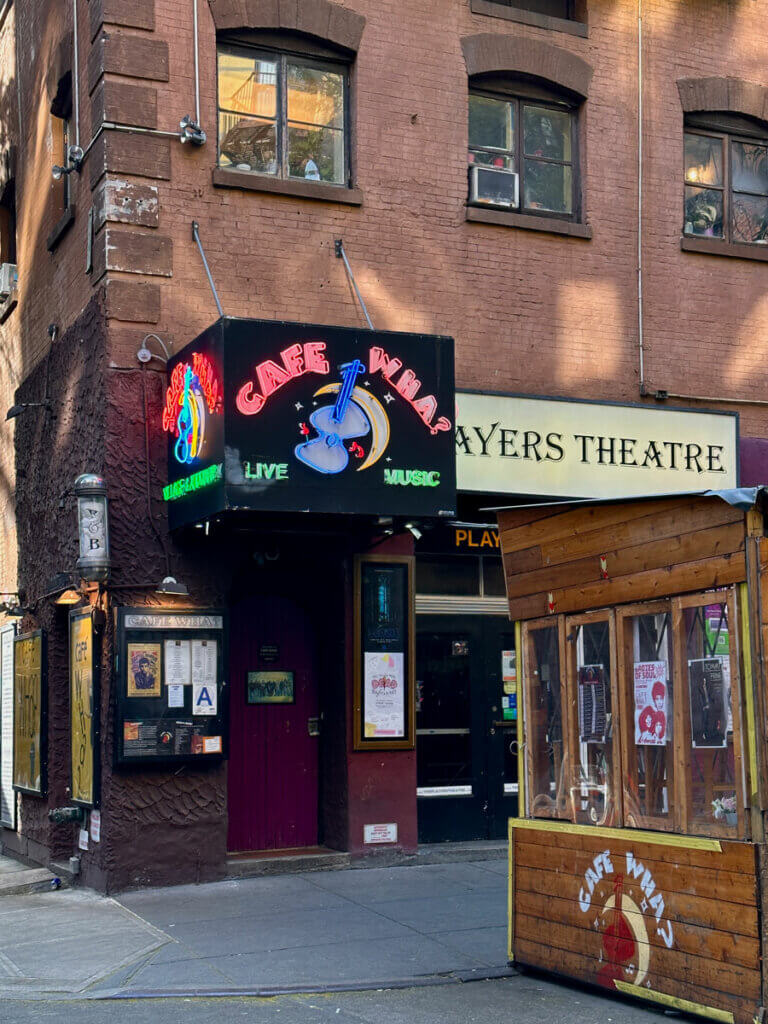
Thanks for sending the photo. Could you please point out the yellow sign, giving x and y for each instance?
(81, 706)
(567, 449)
(28, 713)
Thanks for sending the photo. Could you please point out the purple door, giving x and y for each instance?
(272, 775)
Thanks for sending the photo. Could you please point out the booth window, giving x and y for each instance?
(633, 716)
(529, 148)
(282, 115)
(726, 180)
(648, 700)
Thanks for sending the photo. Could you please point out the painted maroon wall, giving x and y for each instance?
(381, 784)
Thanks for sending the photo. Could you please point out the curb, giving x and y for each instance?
(321, 988)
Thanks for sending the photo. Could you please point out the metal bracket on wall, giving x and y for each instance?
(340, 254)
(196, 238)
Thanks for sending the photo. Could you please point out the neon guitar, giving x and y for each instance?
(335, 424)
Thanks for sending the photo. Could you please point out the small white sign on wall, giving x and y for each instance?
(380, 833)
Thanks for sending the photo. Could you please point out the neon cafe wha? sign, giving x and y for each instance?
(296, 417)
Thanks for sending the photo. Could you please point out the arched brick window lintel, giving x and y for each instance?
(725, 95)
(319, 18)
(488, 53)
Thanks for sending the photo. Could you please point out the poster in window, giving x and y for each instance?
(593, 704)
(708, 711)
(651, 704)
(384, 694)
(29, 715)
(81, 704)
(144, 673)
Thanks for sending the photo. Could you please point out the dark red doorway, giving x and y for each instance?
(273, 764)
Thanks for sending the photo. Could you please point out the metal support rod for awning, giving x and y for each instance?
(339, 244)
(196, 237)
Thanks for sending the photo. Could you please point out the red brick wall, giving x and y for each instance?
(529, 311)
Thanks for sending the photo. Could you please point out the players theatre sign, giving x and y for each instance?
(295, 417)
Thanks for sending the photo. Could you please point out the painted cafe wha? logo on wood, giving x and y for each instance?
(295, 417)
(623, 905)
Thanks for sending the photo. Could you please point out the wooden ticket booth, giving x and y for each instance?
(638, 862)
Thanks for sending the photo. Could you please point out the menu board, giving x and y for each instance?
(83, 704)
(384, 701)
(171, 705)
(29, 714)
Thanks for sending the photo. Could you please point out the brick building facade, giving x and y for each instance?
(538, 303)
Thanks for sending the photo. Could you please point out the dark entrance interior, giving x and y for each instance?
(466, 748)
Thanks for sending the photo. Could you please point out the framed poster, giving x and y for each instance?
(83, 709)
(144, 671)
(7, 795)
(270, 687)
(30, 733)
(170, 705)
(384, 704)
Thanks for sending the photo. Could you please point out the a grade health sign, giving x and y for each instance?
(508, 444)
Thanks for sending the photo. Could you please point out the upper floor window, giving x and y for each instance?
(726, 184)
(282, 115)
(529, 149)
(551, 8)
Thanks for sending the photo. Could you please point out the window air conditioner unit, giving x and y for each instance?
(494, 186)
(8, 279)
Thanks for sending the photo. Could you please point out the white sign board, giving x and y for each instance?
(567, 449)
(380, 833)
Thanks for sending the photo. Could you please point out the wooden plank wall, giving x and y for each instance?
(689, 923)
(592, 556)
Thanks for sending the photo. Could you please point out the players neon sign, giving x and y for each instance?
(192, 395)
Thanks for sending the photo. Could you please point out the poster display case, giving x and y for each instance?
(171, 692)
(384, 701)
(85, 759)
(30, 714)
(634, 861)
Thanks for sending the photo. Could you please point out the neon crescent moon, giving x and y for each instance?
(377, 417)
(636, 922)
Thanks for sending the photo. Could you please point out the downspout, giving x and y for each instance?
(197, 63)
(76, 76)
(640, 338)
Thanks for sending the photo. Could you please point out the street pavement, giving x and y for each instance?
(515, 1000)
(417, 944)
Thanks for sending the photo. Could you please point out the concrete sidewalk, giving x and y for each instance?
(319, 931)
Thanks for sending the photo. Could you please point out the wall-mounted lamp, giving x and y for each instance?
(68, 597)
(171, 586)
(17, 410)
(93, 528)
(145, 354)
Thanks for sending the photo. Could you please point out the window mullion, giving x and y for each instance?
(282, 128)
(727, 191)
(518, 109)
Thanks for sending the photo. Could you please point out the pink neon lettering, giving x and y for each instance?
(408, 387)
(297, 360)
(248, 403)
(379, 360)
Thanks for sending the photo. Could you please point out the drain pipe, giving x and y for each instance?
(76, 74)
(197, 63)
(640, 325)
